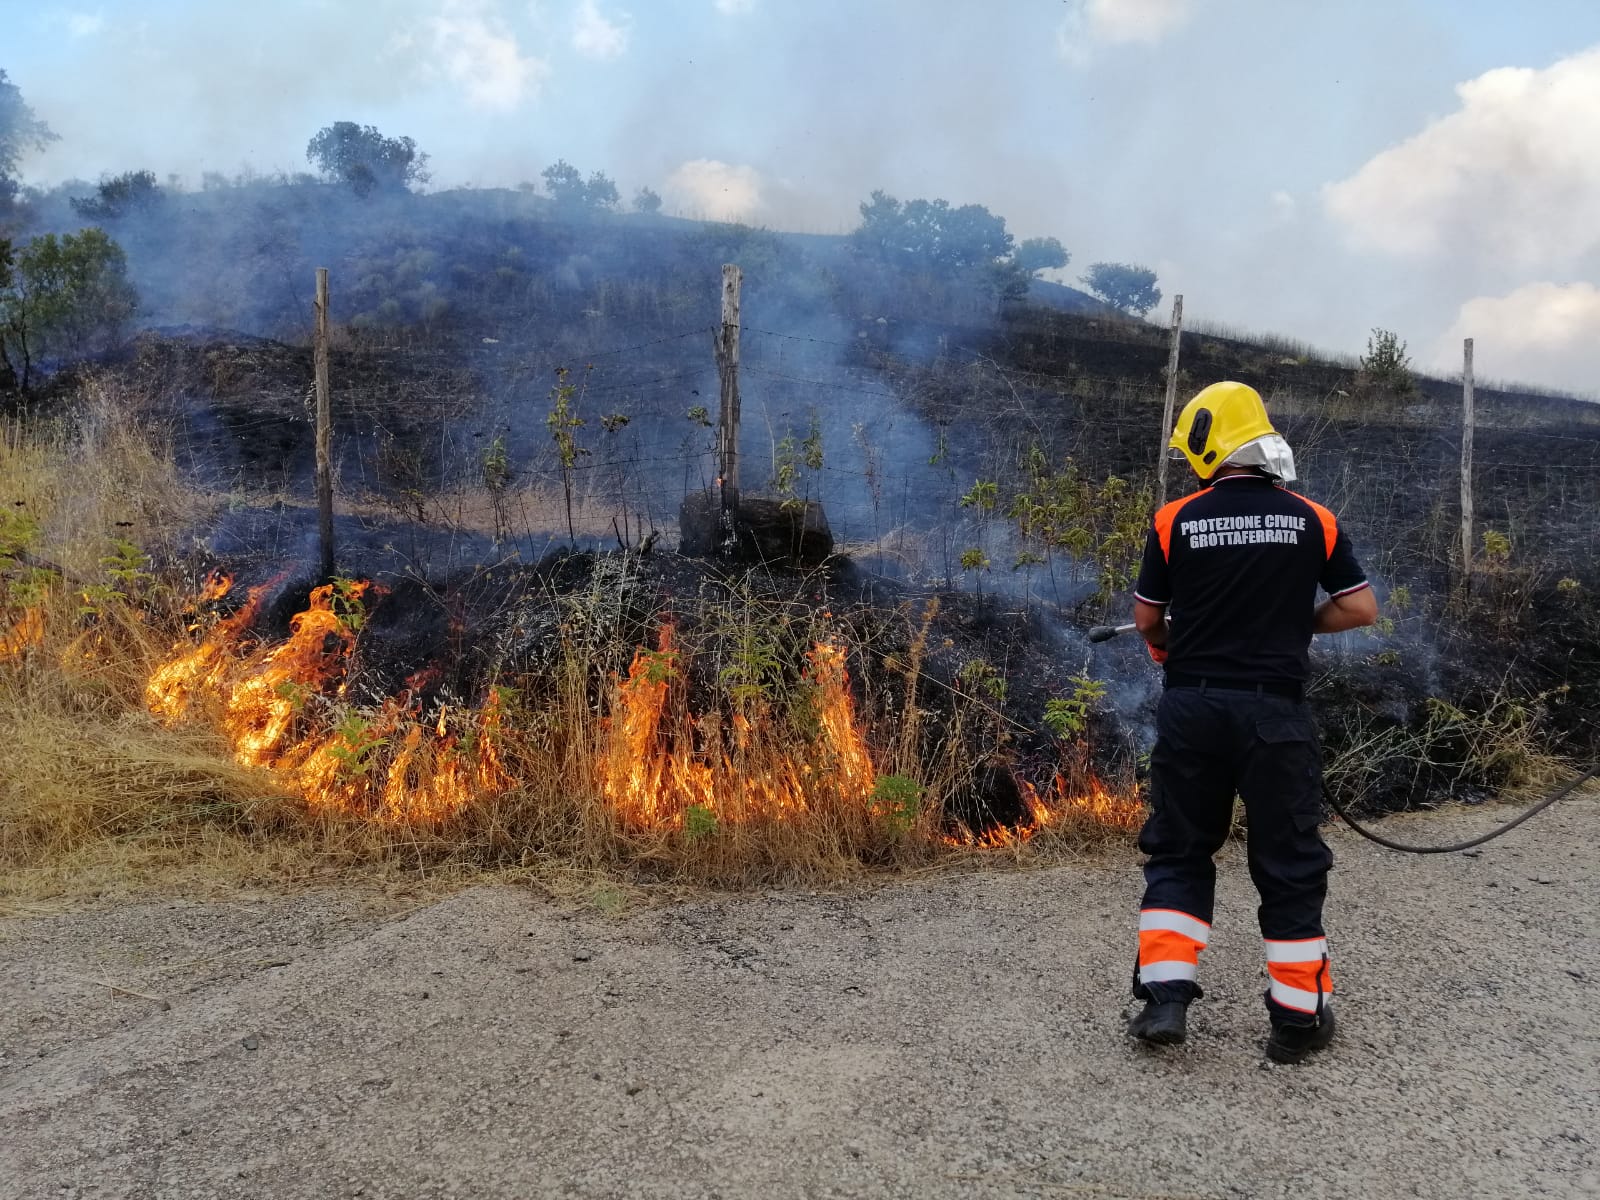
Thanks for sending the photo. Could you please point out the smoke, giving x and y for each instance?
(1282, 163)
(715, 191)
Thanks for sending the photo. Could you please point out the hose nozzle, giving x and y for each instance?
(1104, 633)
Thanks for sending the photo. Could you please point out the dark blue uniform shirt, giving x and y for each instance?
(1237, 567)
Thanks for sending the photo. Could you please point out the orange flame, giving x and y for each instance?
(199, 670)
(277, 705)
(652, 781)
(283, 707)
(1062, 803)
(27, 630)
(217, 585)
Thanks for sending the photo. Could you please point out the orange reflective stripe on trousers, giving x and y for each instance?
(1298, 973)
(1169, 945)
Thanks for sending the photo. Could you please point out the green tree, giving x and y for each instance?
(1122, 285)
(881, 220)
(601, 192)
(931, 235)
(564, 182)
(64, 296)
(365, 161)
(20, 131)
(571, 192)
(1040, 254)
(646, 201)
(120, 195)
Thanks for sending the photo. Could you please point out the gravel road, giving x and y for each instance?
(958, 1035)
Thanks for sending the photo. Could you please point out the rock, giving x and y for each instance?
(582, 955)
(250, 1041)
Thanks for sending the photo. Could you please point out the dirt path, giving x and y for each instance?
(954, 1037)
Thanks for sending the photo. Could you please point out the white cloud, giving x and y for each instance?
(473, 47)
(1511, 176)
(715, 190)
(74, 24)
(735, 7)
(82, 25)
(1117, 22)
(1283, 207)
(1544, 331)
(593, 36)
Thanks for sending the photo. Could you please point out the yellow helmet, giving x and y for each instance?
(1219, 420)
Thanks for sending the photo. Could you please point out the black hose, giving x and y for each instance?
(1102, 633)
(1559, 794)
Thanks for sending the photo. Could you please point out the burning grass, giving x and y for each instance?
(731, 735)
(130, 732)
(733, 754)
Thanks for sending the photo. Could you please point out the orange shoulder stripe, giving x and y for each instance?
(1165, 515)
(1330, 523)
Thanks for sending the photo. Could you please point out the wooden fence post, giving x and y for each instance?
(1172, 397)
(1466, 464)
(727, 347)
(324, 429)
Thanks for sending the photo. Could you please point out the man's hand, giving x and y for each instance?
(1353, 610)
(1151, 622)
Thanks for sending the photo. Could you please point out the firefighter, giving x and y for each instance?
(1226, 600)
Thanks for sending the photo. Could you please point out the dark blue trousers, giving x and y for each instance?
(1212, 744)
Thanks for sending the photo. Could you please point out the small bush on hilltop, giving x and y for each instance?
(120, 195)
(1385, 369)
(572, 193)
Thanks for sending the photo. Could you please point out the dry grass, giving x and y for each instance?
(95, 792)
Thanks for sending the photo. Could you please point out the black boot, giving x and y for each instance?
(1161, 1024)
(1292, 1043)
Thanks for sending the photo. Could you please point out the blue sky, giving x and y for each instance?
(1302, 167)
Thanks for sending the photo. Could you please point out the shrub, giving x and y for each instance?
(1385, 369)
